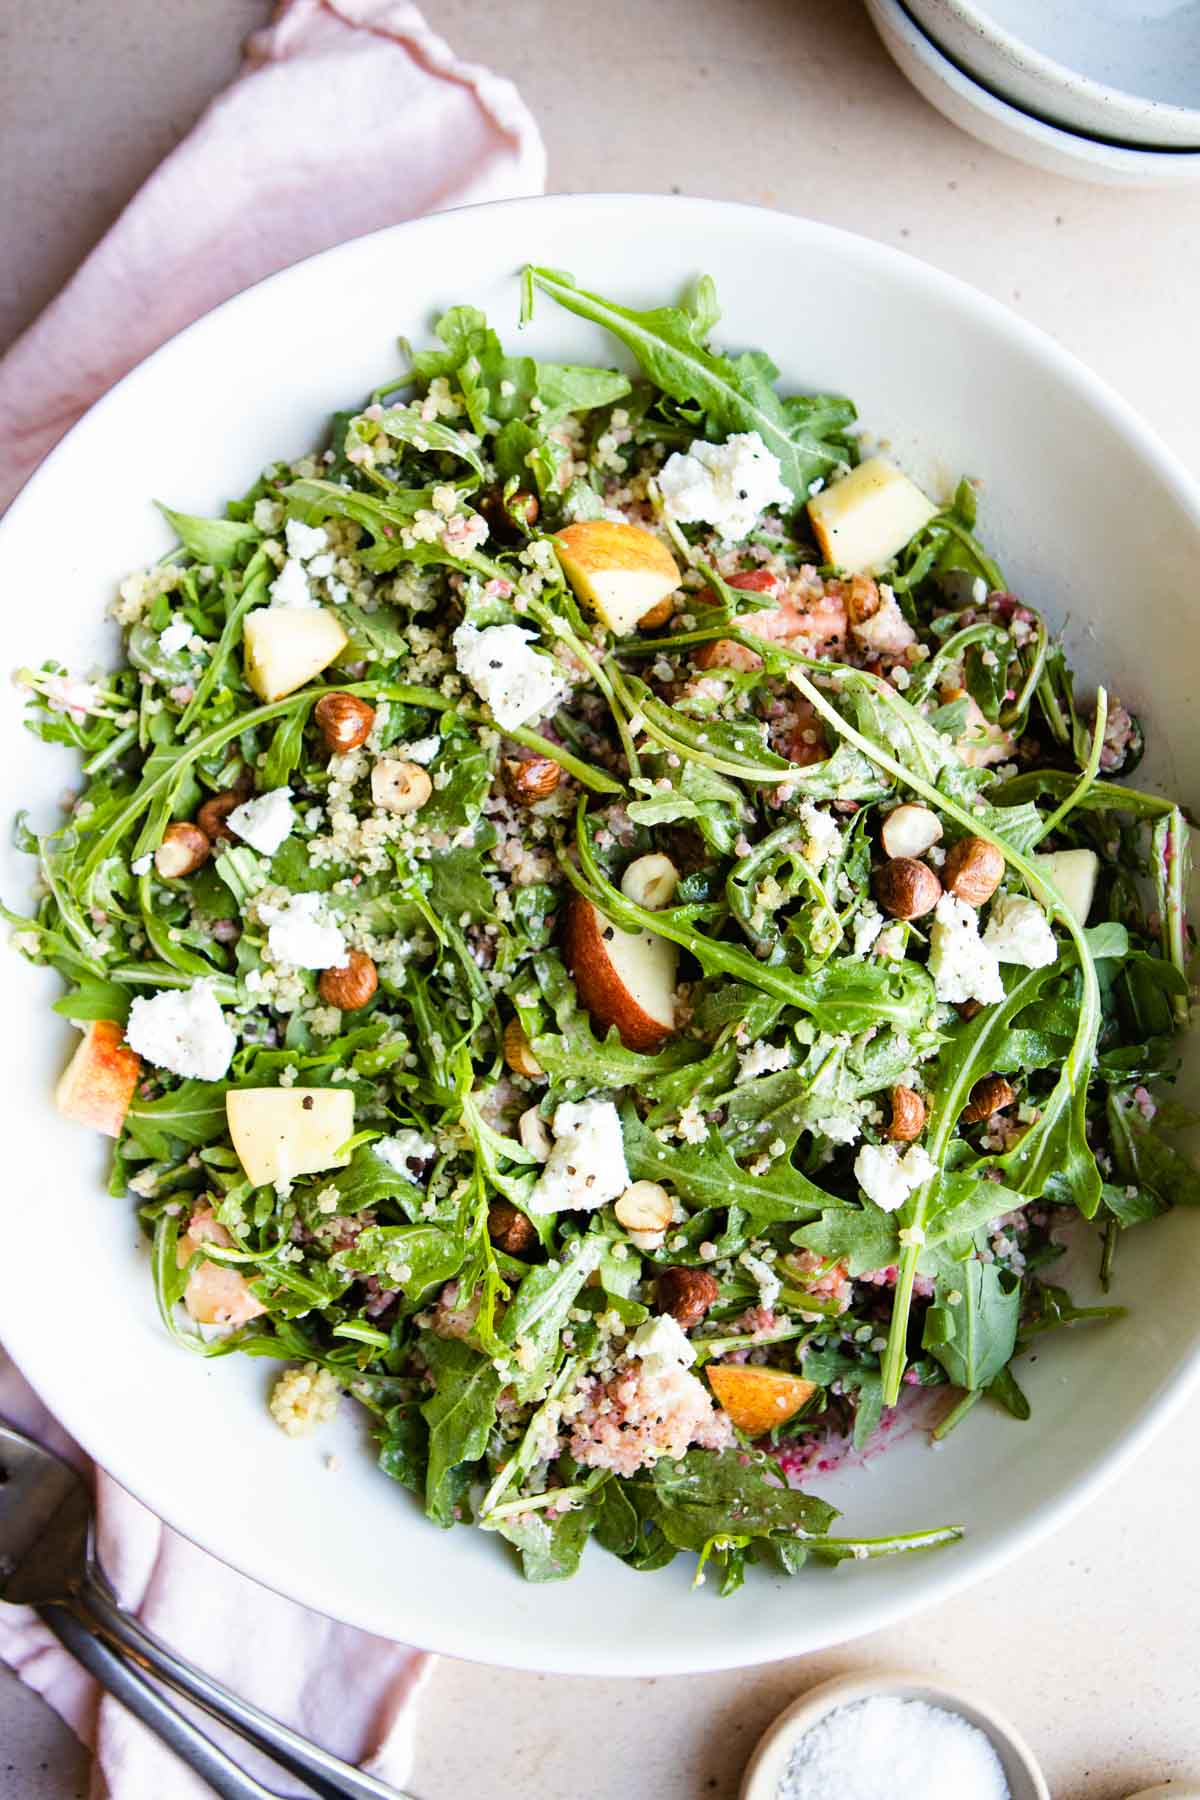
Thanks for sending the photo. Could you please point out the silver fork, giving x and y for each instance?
(47, 1561)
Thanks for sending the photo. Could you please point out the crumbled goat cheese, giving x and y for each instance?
(402, 1148)
(868, 925)
(769, 1285)
(587, 1164)
(762, 1059)
(290, 587)
(660, 1340)
(183, 1030)
(265, 821)
(300, 933)
(304, 1398)
(176, 637)
(962, 965)
(821, 835)
(725, 485)
(515, 681)
(142, 865)
(423, 751)
(1019, 932)
(887, 1177)
(305, 541)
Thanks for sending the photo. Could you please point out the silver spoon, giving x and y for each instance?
(47, 1561)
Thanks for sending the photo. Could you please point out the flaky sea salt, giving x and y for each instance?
(886, 1748)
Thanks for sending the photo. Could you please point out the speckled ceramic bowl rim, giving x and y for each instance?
(773, 1751)
(1120, 102)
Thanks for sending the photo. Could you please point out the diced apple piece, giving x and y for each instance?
(620, 571)
(865, 519)
(1073, 873)
(280, 1133)
(287, 645)
(98, 1083)
(758, 1399)
(216, 1294)
(624, 978)
(981, 744)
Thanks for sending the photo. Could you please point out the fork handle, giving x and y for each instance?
(326, 1774)
(132, 1689)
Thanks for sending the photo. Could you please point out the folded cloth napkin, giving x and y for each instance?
(348, 115)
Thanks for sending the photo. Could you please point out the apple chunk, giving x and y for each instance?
(624, 978)
(216, 1294)
(1073, 873)
(98, 1083)
(620, 571)
(287, 645)
(280, 1133)
(759, 1399)
(863, 520)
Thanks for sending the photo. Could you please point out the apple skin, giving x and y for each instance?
(98, 1083)
(285, 646)
(634, 992)
(280, 1133)
(620, 571)
(215, 1294)
(758, 1399)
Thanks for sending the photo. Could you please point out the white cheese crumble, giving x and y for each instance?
(305, 541)
(821, 835)
(401, 1148)
(762, 1059)
(587, 1166)
(660, 1341)
(142, 865)
(423, 750)
(763, 1275)
(887, 1177)
(183, 1030)
(265, 821)
(1019, 932)
(515, 681)
(962, 965)
(301, 933)
(868, 924)
(725, 485)
(176, 637)
(290, 587)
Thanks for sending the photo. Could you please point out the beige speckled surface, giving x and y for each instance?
(1091, 1644)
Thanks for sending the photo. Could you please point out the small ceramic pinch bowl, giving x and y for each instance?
(771, 1757)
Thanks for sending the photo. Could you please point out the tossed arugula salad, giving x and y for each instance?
(602, 930)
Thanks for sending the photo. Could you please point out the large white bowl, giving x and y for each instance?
(1126, 70)
(971, 105)
(1093, 521)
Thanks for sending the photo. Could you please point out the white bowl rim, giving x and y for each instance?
(1121, 101)
(955, 1572)
(1124, 158)
(767, 1764)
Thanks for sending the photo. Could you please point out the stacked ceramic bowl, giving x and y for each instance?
(1102, 90)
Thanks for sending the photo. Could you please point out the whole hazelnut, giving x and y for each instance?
(509, 1229)
(687, 1294)
(352, 986)
(910, 830)
(212, 815)
(517, 1051)
(531, 778)
(906, 888)
(184, 848)
(973, 870)
(988, 1096)
(400, 787)
(344, 722)
(908, 1115)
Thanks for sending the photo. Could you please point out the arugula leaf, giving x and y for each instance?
(972, 1330)
(460, 1414)
(534, 1322)
(215, 541)
(705, 1175)
(709, 1494)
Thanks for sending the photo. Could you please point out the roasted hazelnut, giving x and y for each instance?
(908, 1115)
(644, 1206)
(988, 1096)
(517, 1052)
(399, 787)
(503, 517)
(351, 986)
(183, 849)
(531, 778)
(534, 1135)
(212, 815)
(973, 870)
(344, 722)
(659, 613)
(686, 1294)
(906, 888)
(968, 1009)
(509, 1229)
(910, 830)
(862, 599)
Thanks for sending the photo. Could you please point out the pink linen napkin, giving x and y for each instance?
(348, 115)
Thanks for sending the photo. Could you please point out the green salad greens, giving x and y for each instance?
(603, 931)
